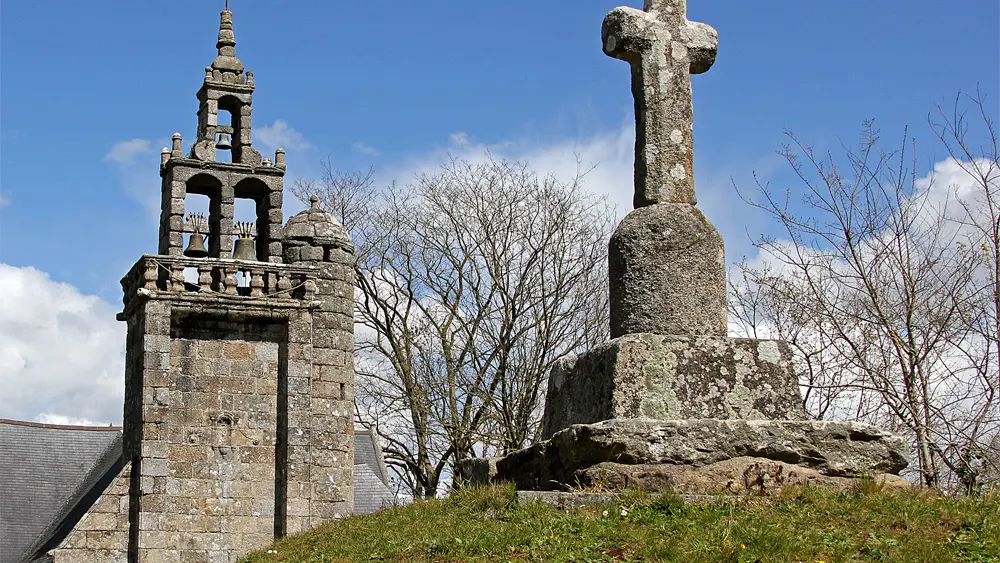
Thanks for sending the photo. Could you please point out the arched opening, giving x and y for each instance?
(196, 215)
(195, 204)
(229, 124)
(204, 194)
(244, 211)
(254, 190)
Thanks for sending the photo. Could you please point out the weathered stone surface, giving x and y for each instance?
(238, 402)
(314, 227)
(673, 377)
(735, 403)
(476, 470)
(739, 476)
(667, 269)
(836, 449)
(102, 534)
(663, 49)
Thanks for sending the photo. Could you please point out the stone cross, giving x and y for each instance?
(664, 50)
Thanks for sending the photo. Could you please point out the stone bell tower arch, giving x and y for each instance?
(239, 369)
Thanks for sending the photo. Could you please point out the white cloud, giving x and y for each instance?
(126, 152)
(607, 155)
(61, 352)
(49, 418)
(280, 135)
(950, 187)
(4, 200)
(138, 164)
(366, 149)
(460, 139)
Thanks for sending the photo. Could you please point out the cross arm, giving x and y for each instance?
(702, 41)
(627, 33)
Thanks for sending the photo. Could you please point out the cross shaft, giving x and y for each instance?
(664, 49)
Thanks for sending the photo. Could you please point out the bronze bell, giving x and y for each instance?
(244, 249)
(196, 246)
(225, 142)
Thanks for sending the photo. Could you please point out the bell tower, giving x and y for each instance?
(222, 163)
(238, 421)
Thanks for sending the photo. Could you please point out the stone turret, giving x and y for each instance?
(239, 370)
(315, 239)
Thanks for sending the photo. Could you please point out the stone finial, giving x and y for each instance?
(226, 62)
(175, 144)
(664, 50)
(279, 158)
(164, 156)
(313, 202)
(249, 81)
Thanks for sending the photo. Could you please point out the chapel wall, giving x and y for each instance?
(101, 536)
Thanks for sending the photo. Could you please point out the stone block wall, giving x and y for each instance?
(101, 536)
(331, 408)
(239, 406)
(211, 397)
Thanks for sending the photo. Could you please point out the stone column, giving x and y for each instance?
(313, 237)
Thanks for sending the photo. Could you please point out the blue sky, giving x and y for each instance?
(89, 93)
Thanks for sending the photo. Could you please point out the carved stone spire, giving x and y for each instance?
(226, 62)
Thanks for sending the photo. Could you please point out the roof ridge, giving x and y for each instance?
(60, 426)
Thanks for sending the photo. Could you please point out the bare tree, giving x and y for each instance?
(763, 303)
(346, 195)
(874, 285)
(472, 282)
(972, 142)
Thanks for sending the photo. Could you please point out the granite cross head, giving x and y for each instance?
(664, 50)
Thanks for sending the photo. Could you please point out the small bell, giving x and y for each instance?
(196, 246)
(225, 142)
(244, 249)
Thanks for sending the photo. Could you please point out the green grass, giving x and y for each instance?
(808, 525)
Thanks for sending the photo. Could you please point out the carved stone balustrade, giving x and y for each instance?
(215, 278)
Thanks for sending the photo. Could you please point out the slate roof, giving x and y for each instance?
(50, 476)
(372, 491)
(42, 469)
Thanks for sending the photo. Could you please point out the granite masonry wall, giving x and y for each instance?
(102, 534)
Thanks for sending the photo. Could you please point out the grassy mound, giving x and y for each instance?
(807, 525)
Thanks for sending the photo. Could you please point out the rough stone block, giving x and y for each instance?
(736, 477)
(311, 253)
(833, 449)
(477, 470)
(667, 271)
(673, 377)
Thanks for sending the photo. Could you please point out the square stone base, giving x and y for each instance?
(663, 377)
